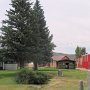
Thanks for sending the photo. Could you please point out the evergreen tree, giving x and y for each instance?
(42, 40)
(16, 31)
(25, 36)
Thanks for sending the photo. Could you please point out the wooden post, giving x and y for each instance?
(81, 85)
(60, 73)
(88, 78)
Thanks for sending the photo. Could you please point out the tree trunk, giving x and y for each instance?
(21, 64)
(35, 65)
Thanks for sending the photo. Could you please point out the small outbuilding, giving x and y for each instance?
(62, 62)
(8, 66)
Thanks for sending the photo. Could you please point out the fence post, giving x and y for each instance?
(81, 85)
(88, 80)
(60, 73)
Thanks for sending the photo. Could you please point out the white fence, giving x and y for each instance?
(10, 66)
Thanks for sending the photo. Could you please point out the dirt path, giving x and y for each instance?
(59, 83)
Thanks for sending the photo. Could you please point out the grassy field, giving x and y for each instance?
(69, 81)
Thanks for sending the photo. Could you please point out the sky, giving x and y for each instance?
(67, 20)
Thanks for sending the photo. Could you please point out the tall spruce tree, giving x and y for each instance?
(25, 35)
(16, 31)
(42, 39)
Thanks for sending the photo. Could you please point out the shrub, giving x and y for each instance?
(23, 76)
(39, 78)
(26, 76)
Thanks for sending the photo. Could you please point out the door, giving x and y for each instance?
(67, 65)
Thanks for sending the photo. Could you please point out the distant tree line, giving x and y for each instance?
(25, 36)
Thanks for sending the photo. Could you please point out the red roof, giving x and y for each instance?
(58, 58)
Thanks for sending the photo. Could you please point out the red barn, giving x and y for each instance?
(83, 62)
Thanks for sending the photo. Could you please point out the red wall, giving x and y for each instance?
(83, 62)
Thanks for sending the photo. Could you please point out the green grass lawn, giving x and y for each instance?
(69, 81)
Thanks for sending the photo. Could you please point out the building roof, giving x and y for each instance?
(58, 58)
(70, 56)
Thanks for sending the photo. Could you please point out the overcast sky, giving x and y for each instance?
(68, 21)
